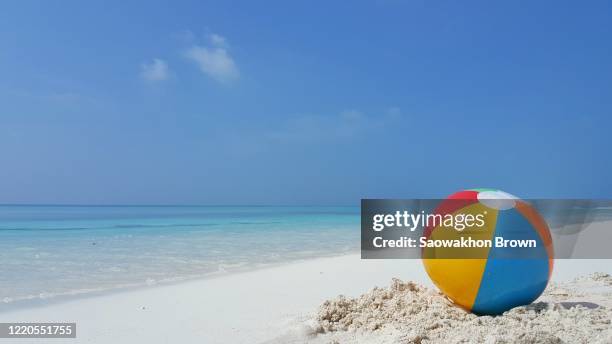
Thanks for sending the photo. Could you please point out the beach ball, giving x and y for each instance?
(512, 270)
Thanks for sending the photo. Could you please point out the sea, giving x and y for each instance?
(48, 252)
(54, 252)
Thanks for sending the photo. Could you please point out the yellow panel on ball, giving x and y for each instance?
(459, 279)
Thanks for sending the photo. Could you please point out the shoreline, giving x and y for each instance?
(37, 301)
(246, 307)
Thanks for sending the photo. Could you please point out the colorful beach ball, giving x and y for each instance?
(491, 280)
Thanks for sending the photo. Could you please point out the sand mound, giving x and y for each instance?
(404, 312)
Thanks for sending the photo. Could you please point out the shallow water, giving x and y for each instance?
(48, 251)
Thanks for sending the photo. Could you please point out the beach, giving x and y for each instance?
(227, 172)
(276, 304)
(202, 274)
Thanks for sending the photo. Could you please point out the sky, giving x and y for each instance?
(302, 103)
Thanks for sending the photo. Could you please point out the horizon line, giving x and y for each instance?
(167, 205)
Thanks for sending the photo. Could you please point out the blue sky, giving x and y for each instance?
(302, 102)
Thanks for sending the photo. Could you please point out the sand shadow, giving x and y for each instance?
(540, 306)
(589, 305)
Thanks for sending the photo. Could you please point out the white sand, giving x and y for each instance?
(409, 313)
(249, 307)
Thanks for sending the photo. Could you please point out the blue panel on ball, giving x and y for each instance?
(512, 276)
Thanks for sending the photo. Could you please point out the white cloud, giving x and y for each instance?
(156, 70)
(217, 40)
(214, 60)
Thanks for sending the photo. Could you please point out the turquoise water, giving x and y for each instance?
(49, 251)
